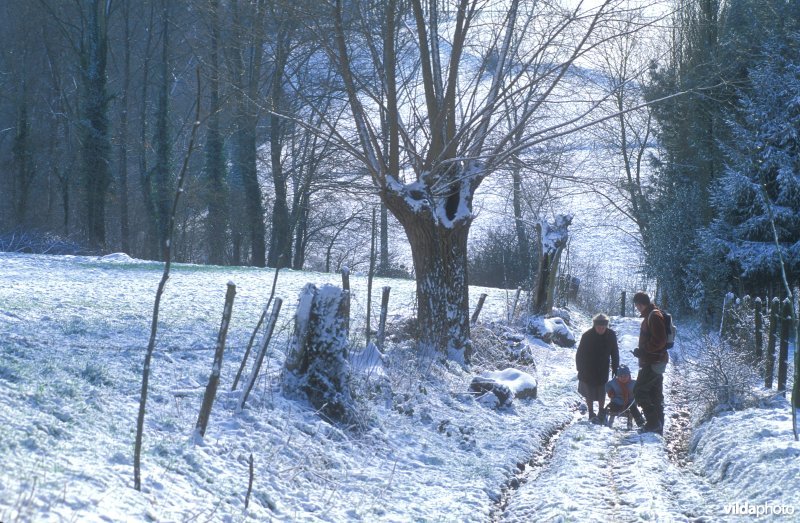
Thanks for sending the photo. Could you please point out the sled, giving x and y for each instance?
(610, 417)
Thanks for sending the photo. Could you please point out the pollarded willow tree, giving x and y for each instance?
(428, 84)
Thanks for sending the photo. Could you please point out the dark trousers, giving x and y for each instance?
(649, 394)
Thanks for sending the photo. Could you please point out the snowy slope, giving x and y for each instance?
(72, 336)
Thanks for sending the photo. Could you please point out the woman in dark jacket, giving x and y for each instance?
(597, 352)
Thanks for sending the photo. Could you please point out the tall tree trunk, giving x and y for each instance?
(161, 169)
(23, 160)
(280, 249)
(246, 65)
(96, 141)
(216, 197)
(519, 224)
(150, 247)
(123, 136)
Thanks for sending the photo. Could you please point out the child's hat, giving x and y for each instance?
(623, 370)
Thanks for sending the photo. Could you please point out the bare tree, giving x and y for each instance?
(446, 76)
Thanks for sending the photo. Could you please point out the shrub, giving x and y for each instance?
(720, 375)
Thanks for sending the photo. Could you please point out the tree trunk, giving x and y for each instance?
(440, 263)
(162, 185)
(124, 222)
(519, 224)
(280, 248)
(216, 199)
(301, 229)
(96, 141)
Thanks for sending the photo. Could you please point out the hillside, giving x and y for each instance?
(74, 330)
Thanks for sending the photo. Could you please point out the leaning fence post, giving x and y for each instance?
(783, 358)
(382, 323)
(759, 311)
(771, 340)
(251, 381)
(478, 308)
(216, 368)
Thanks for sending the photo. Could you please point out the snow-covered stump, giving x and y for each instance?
(551, 239)
(317, 365)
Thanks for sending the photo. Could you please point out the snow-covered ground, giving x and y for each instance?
(73, 332)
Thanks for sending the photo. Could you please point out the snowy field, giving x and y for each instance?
(74, 331)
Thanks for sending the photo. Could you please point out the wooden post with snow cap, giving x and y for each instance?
(213, 379)
(478, 308)
(382, 323)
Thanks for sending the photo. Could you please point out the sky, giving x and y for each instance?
(74, 330)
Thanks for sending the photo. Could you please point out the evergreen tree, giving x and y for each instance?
(761, 183)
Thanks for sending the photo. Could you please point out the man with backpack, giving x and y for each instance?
(653, 359)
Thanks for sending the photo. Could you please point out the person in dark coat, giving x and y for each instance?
(597, 352)
(653, 359)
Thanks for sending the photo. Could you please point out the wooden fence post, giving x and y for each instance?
(514, 307)
(783, 358)
(771, 340)
(346, 288)
(759, 311)
(622, 303)
(216, 368)
(478, 308)
(382, 322)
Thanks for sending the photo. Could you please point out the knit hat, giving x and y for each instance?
(623, 370)
(600, 319)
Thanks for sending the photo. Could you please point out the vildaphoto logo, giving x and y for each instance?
(764, 509)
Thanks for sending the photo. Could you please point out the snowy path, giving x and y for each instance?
(611, 473)
(614, 474)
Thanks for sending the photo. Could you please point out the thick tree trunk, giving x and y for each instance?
(440, 263)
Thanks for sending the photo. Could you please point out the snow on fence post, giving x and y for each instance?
(216, 368)
(769, 362)
(478, 308)
(759, 314)
(251, 381)
(783, 357)
(381, 337)
(316, 365)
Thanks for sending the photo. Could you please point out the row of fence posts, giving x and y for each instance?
(780, 323)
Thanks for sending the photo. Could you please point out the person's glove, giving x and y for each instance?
(638, 352)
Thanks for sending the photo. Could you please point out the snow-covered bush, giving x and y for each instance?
(720, 377)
